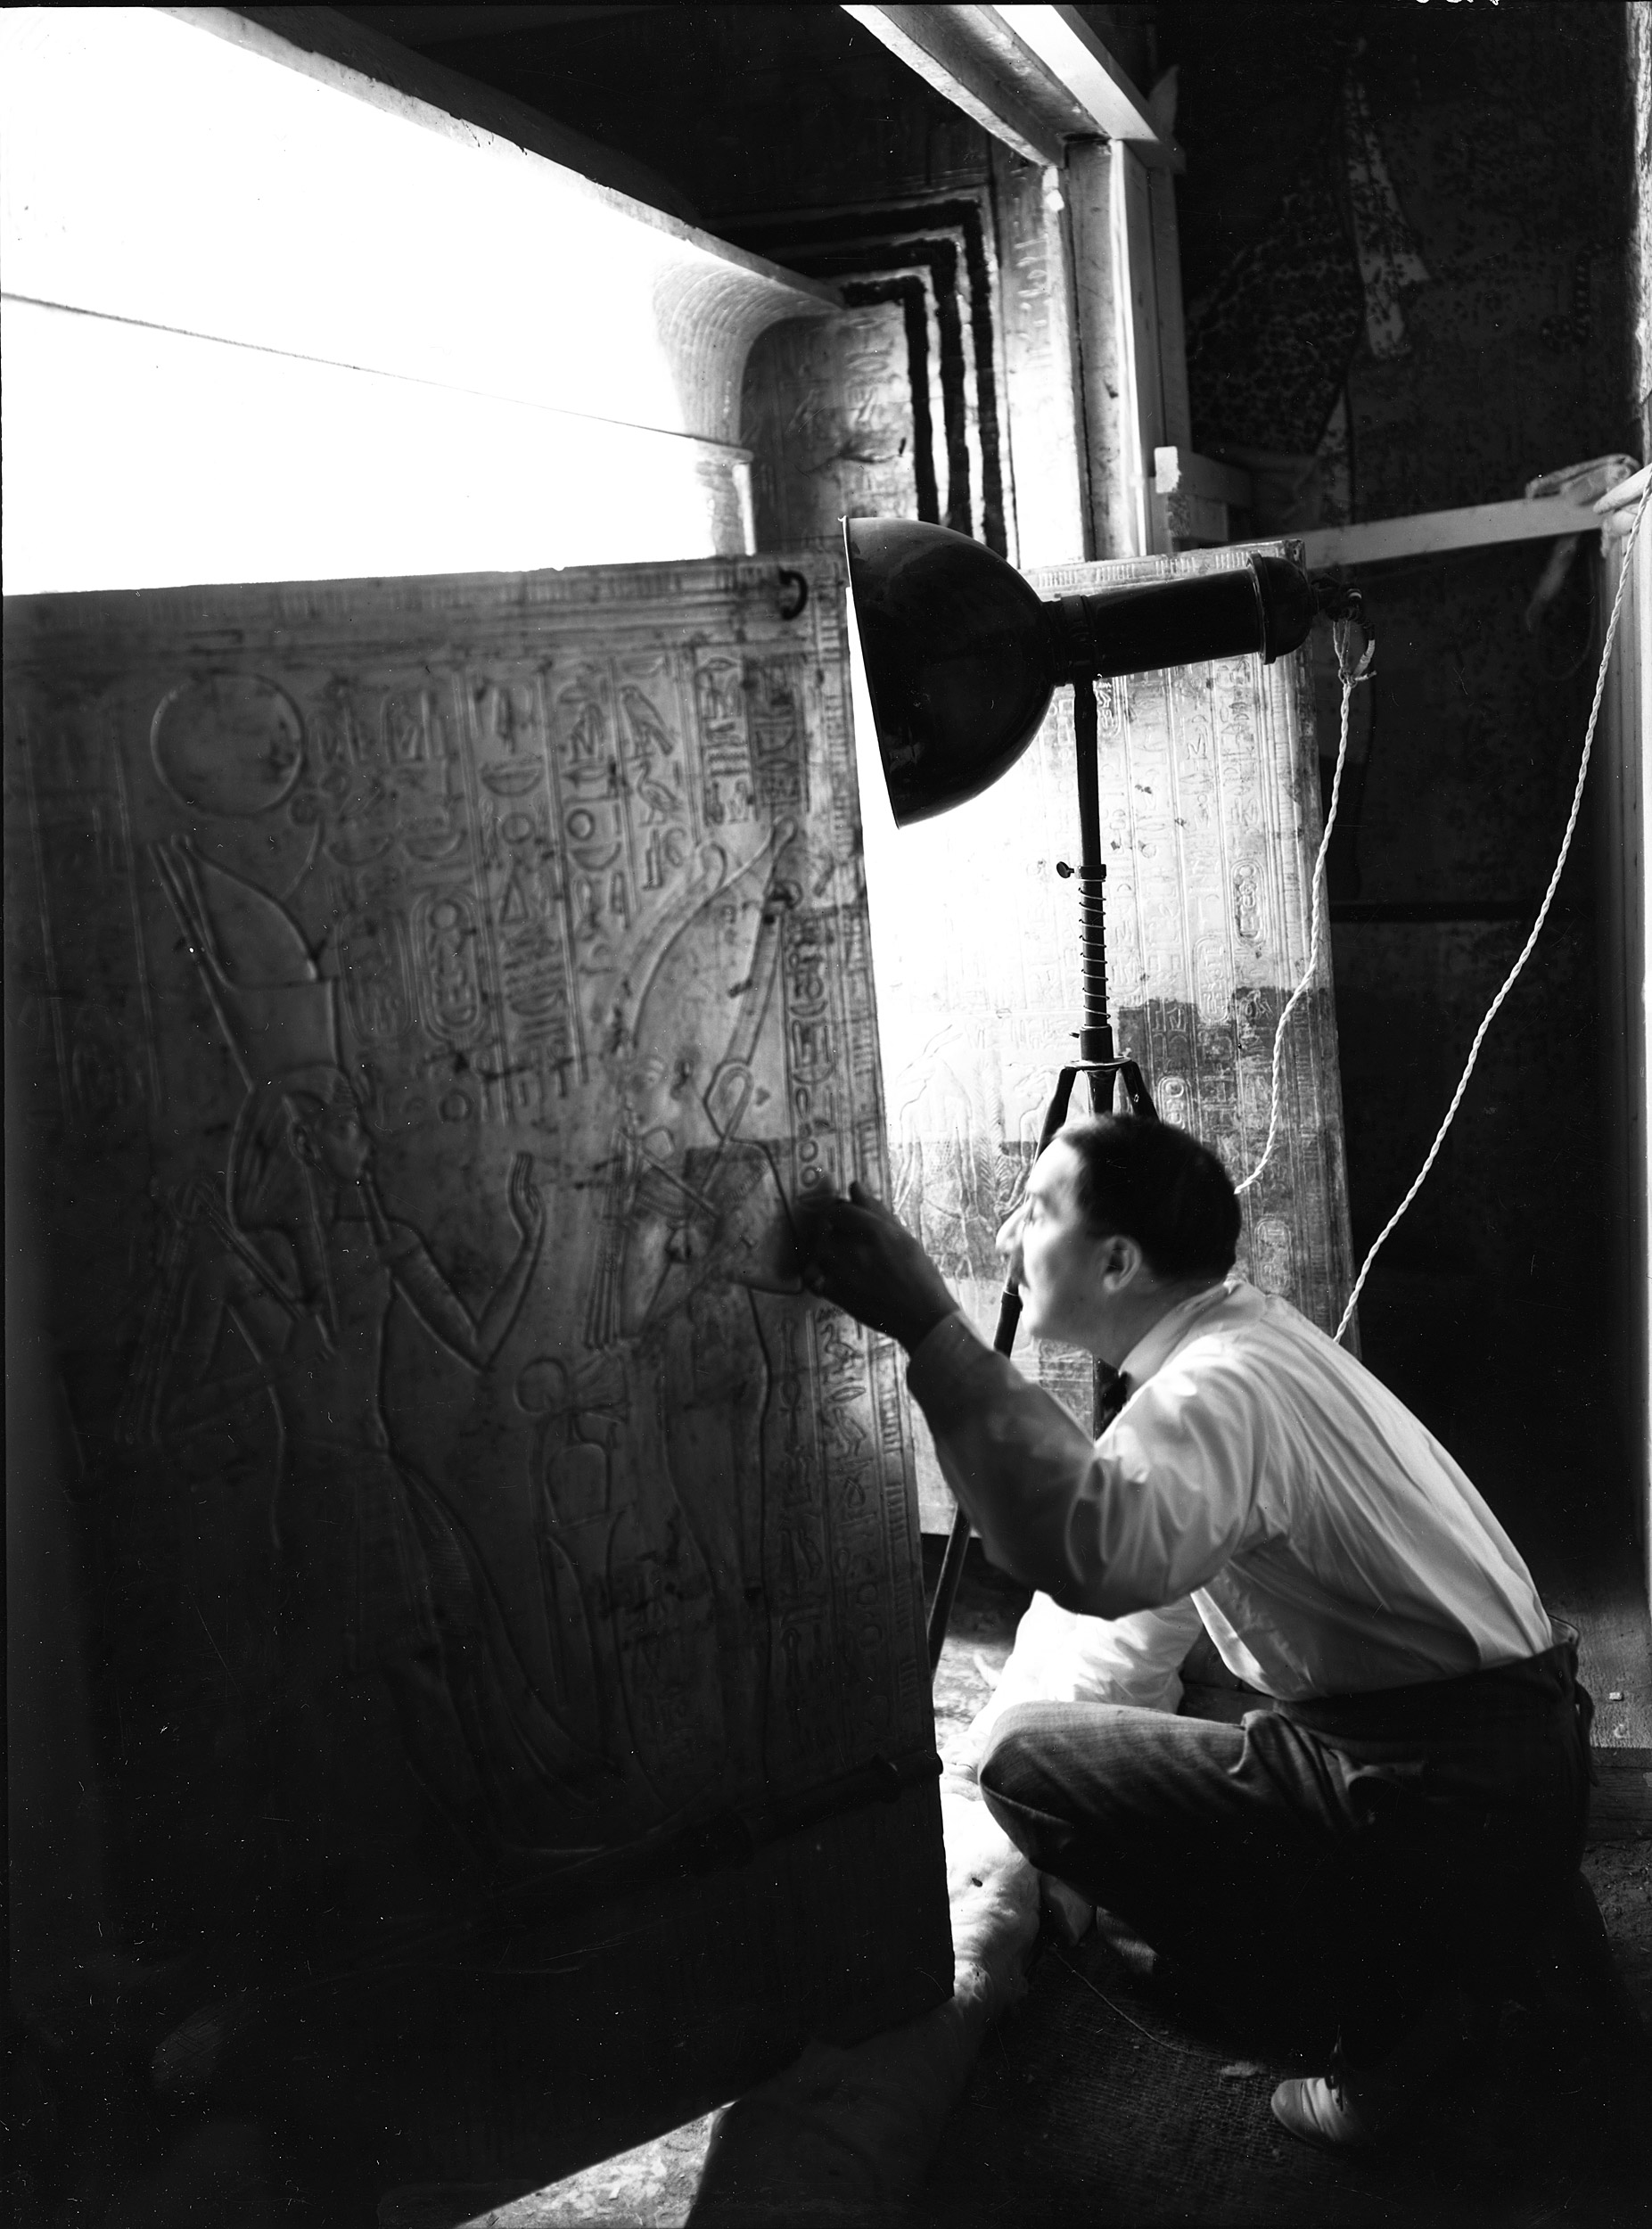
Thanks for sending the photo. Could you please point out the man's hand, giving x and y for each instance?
(857, 1256)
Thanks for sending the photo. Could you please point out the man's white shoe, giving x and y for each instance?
(1320, 2111)
(1353, 2107)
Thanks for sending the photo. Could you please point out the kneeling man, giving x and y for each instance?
(1414, 1803)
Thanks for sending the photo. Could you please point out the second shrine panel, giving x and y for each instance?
(431, 994)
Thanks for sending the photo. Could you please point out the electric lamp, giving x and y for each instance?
(962, 655)
(962, 658)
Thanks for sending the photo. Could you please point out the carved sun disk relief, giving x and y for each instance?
(228, 745)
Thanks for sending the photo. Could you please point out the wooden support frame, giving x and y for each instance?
(1426, 532)
(1623, 788)
(1033, 77)
(1195, 499)
(1065, 43)
(1041, 81)
(1152, 353)
(947, 51)
(1620, 1805)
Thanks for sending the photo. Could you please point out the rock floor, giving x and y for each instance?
(1100, 2099)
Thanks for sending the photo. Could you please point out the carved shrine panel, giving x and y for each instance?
(429, 994)
(1210, 818)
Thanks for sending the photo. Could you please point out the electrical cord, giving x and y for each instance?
(1511, 979)
(1164, 2042)
(1352, 676)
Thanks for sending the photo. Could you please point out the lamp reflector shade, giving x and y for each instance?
(959, 661)
(962, 655)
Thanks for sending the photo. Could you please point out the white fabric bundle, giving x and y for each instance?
(1060, 1656)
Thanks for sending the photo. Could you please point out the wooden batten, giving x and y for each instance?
(1065, 43)
(1196, 501)
(1033, 77)
(940, 45)
(1426, 532)
(1622, 803)
(1619, 1803)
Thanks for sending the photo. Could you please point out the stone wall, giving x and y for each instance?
(1505, 136)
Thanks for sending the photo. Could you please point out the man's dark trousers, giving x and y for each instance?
(1354, 1853)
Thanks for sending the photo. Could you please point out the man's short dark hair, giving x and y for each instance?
(1152, 1182)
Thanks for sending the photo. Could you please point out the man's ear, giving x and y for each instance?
(302, 1140)
(1125, 1260)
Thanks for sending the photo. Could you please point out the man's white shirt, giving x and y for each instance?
(1331, 1546)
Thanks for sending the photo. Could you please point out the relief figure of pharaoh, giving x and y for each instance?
(378, 1587)
(703, 1239)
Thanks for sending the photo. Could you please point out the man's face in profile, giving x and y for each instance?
(1054, 1259)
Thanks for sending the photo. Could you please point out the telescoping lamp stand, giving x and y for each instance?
(962, 658)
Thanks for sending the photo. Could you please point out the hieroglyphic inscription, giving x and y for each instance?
(79, 828)
(827, 408)
(474, 974)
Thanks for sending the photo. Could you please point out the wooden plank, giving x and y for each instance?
(936, 42)
(1140, 395)
(1033, 77)
(1041, 403)
(1185, 520)
(1426, 532)
(1065, 44)
(1102, 381)
(1177, 411)
(1621, 804)
(1634, 688)
(1619, 1803)
(1180, 471)
(1195, 498)
(1622, 790)
(428, 994)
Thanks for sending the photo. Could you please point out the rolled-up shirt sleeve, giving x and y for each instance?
(1153, 1510)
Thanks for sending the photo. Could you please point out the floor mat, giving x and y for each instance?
(1101, 2102)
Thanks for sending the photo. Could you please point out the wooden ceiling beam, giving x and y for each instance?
(946, 50)
(1033, 77)
(1065, 43)
(1423, 533)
